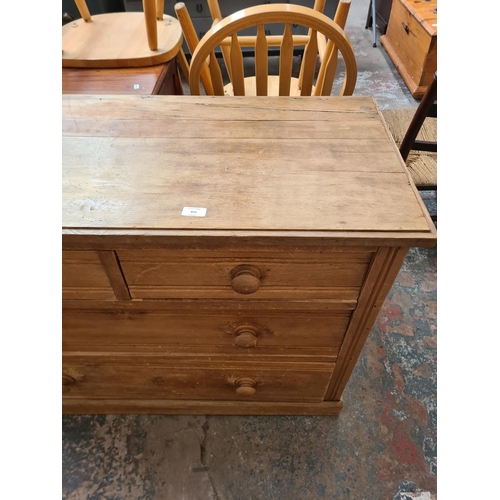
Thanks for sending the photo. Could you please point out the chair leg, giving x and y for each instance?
(183, 64)
(421, 114)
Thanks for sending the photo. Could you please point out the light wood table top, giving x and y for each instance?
(322, 167)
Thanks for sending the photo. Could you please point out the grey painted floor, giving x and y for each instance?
(382, 446)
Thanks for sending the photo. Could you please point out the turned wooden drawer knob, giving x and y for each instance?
(246, 336)
(245, 279)
(246, 386)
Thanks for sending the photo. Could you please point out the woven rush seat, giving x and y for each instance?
(422, 165)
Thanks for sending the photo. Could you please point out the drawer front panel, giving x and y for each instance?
(412, 42)
(278, 275)
(152, 378)
(84, 276)
(233, 331)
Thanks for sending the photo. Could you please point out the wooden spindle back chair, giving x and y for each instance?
(415, 133)
(319, 5)
(121, 39)
(224, 33)
(192, 40)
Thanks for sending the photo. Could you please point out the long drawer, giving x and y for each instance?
(148, 377)
(228, 327)
(156, 274)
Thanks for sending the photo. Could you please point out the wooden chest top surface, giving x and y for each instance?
(256, 164)
(134, 81)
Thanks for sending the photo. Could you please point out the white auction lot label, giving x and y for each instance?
(194, 211)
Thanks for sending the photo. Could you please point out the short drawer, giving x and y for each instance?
(287, 274)
(84, 276)
(247, 328)
(137, 377)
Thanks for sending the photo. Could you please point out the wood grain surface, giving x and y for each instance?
(139, 376)
(119, 40)
(253, 163)
(161, 79)
(84, 277)
(207, 274)
(179, 328)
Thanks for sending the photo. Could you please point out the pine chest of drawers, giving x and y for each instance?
(226, 255)
(411, 42)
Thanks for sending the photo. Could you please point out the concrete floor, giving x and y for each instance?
(382, 446)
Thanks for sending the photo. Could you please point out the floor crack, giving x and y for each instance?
(203, 457)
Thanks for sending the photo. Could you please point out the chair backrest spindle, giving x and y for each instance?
(216, 75)
(286, 61)
(261, 61)
(309, 64)
(237, 70)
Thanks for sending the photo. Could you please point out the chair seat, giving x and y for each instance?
(272, 86)
(423, 168)
(422, 165)
(118, 40)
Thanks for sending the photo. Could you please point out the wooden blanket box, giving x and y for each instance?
(411, 42)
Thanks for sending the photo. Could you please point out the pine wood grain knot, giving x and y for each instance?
(67, 380)
(246, 336)
(245, 279)
(245, 386)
